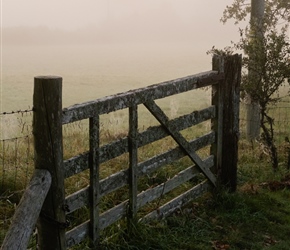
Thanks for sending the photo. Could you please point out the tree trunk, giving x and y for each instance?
(252, 106)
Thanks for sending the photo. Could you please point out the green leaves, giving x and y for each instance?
(266, 59)
(276, 11)
(239, 10)
(266, 47)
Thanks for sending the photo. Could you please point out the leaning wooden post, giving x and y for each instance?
(228, 112)
(27, 211)
(48, 150)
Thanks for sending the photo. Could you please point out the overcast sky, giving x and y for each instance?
(74, 14)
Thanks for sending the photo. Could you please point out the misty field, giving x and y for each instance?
(16, 151)
(95, 71)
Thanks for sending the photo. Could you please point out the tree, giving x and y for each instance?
(257, 34)
(266, 58)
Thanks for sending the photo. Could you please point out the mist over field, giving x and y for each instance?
(116, 21)
(106, 46)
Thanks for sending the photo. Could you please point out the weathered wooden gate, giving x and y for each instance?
(219, 168)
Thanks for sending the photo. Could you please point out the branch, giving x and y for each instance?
(238, 11)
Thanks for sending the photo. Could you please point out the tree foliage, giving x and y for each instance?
(271, 51)
(266, 58)
(275, 11)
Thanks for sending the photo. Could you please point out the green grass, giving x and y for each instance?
(254, 217)
(247, 219)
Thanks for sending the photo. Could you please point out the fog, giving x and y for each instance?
(88, 21)
(73, 14)
(101, 47)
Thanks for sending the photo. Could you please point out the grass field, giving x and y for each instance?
(94, 71)
(255, 217)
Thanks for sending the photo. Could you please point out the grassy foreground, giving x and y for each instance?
(257, 216)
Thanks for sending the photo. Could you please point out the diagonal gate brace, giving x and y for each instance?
(182, 142)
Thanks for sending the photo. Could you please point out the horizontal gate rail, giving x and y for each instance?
(79, 163)
(125, 100)
(116, 213)
(120, 179)
(179, 201)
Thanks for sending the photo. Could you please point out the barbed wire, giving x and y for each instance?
(15, 138)
(17, 112)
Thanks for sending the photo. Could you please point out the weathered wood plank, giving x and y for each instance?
(47, 132)
(114, 182)
(230, 129)
(157, 161)
(77, 200)
(79, 163)
(133, 160)
(77, 234)
(94, 165)
(226, 97)
(76, 164)
(217, 121)
(174, 132)
(120, 179)
(27, 211)
(114, 214)
(118, 212)
(158, 132)
(178, 202)
(162, 189)
(135, 97)
(111, 183)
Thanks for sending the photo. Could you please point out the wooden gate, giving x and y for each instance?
(219, 168)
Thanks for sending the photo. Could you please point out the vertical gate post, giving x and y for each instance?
(94, 164)
(133, 162)
(216, 123)
(48, 151)
(227, 98)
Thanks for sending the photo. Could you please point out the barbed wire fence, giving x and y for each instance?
(16, 162)
(17, 154)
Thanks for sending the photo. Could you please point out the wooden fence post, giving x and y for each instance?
(226, 96)
(48, 150)
(27, 211)
(216, 123)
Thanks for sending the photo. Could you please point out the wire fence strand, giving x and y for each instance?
(16, 112)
